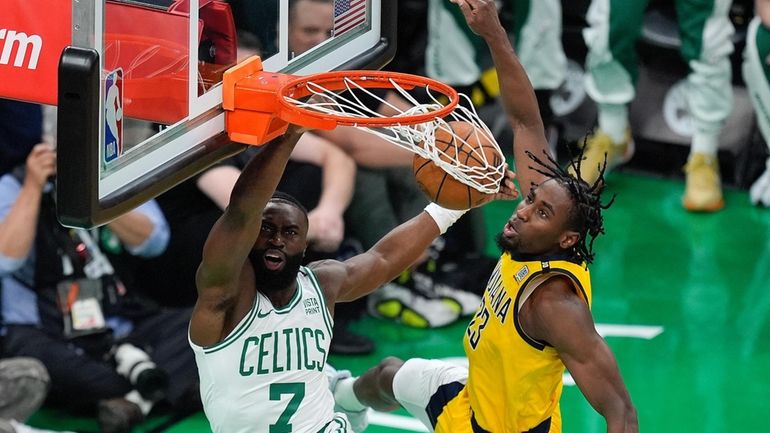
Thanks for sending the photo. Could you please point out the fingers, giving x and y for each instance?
(41, 163)
(42, 155)
(508, 189)
(475, 4)
(464, 7)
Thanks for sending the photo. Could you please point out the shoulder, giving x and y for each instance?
(330, 275)
(553, 308)
(557, 293)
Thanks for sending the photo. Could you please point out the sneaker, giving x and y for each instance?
(118, 415)
(464, 303)
(703, 189)
(396, 302)
(596, 146)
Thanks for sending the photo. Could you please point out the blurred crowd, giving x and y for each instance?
(96, 320)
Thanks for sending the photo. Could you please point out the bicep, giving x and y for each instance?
(363, 274)
(571, 331)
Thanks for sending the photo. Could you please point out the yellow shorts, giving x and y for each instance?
(456, 416)
(434, 392)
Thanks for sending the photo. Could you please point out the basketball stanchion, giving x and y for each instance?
(260, 105)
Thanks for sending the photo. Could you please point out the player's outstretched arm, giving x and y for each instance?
(232, 237)
(555, 314)
(516, 92)
(396, 251)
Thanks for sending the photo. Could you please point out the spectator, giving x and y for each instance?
(755, 74)
(535, 29)
(310, 23)
(69, 300)
(705, 31)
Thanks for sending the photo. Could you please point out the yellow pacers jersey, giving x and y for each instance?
(514, 382)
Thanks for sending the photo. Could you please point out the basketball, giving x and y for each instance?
(470, 150)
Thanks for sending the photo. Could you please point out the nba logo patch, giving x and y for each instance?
(113, 115)
(523, 272)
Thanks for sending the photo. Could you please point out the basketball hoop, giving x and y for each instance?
(260, 105)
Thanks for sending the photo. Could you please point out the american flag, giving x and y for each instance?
(348, 14)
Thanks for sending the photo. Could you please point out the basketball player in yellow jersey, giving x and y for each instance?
(535, 316)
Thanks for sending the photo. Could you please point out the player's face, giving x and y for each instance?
(311, 23)
(277, 254)
(539, 225)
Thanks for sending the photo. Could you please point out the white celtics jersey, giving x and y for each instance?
(267, 375)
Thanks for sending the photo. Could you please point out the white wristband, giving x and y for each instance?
(444, 217)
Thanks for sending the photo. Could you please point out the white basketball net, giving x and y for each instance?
(419, 138)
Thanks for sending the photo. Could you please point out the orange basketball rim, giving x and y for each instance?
(259, 105)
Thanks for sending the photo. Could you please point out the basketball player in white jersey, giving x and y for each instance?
(262, 324)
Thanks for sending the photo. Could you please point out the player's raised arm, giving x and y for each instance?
(232, 237)
(516, 92)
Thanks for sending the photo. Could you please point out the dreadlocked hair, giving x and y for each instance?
(585, 216)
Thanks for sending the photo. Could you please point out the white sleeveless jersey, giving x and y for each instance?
(267, 375)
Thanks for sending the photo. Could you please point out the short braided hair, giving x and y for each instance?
(585, 215)
(288, 199)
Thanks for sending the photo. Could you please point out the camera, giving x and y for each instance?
(135, 365)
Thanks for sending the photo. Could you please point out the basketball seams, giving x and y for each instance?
(451, 143)
(440, 186)
(468, 189)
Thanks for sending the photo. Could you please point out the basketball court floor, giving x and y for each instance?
(682, 299)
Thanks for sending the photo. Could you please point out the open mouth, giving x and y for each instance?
(509, 230)
(274, 260)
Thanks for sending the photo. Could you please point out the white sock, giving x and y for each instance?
(144, 405)
(613, 120)
(346, 397)
(704, 143)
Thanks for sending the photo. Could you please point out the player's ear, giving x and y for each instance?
(569, 239)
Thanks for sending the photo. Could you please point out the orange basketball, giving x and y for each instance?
(440, 186)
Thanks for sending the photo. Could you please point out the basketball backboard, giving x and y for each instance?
(140, 94)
